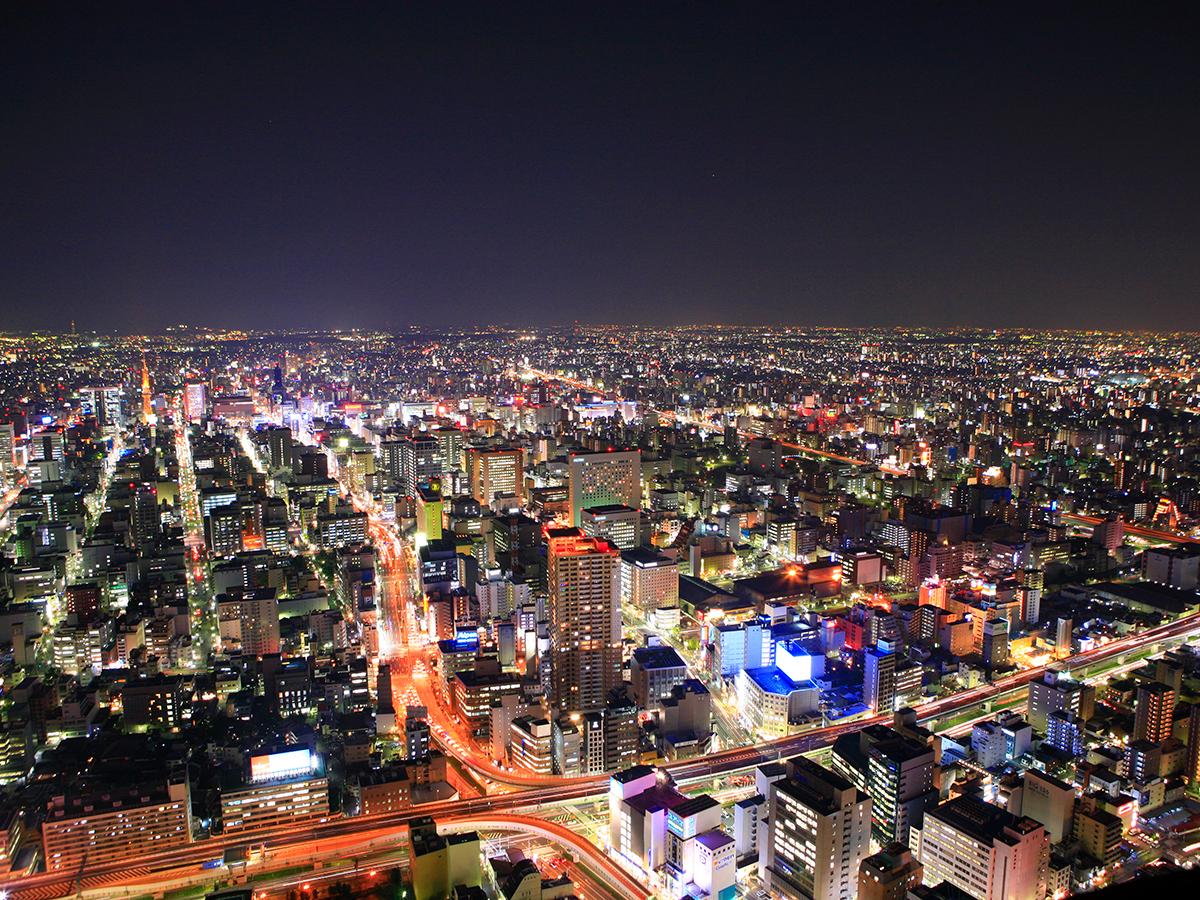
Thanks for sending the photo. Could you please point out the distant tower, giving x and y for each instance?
(147, 408)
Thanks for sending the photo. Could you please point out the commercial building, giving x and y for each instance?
(819, 832)
(897, 772)
(249, 622)
(985, 851)
(603, 479)
(654, 672)
(103, 827)
(619, 525)
(495, 473)
(649, 579)
(531, 745)
(1047, 800)
(285, 786)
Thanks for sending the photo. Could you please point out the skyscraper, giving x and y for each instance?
(879, 679)
(145, 521)
(279, 444)
(195, 400)
(1154, 713)
(819, 834)
(585, 619)
(604, 479)
(420, 463)
(105, 403)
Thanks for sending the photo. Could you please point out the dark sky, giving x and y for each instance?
(353, 165)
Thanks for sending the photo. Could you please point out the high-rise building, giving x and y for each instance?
(603, 479)
(105, 403)
(1098, 831)
(995, 643)
(583, 579)
(286, 786)
(1064, 732)
(1033, 583)
(1154, 712)
(145, 521)
(879, 679)
(279, 445)
(8, 446)
(897, 771)
(1047, 800)
(985, 851)
(492, 473)
(1193, 744)
(420, 463)
(195, 400)
(450, 447)
(818, 835)
(649, 579)
(531, 745)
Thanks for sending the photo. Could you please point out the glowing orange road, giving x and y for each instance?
(559, 834)
(1139, 530)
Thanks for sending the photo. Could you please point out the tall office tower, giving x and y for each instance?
(603, 479)
(900, 782)
(450, 447)
(985, 850)
(1154, 713)
(8, 445)
(420, 463)
(583, 579)
(195, 400)
(818, 835)
(898, 772)
(249, 622)
(105, 404)
(383, 689)
(391, 462)
(889, 874)
(145, 521)
(494, 472)
(279, 444)
(879, 679)
(1033, 583)
(1193, 744)
(1053, 691)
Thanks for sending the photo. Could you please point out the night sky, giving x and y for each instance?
(349, 165)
